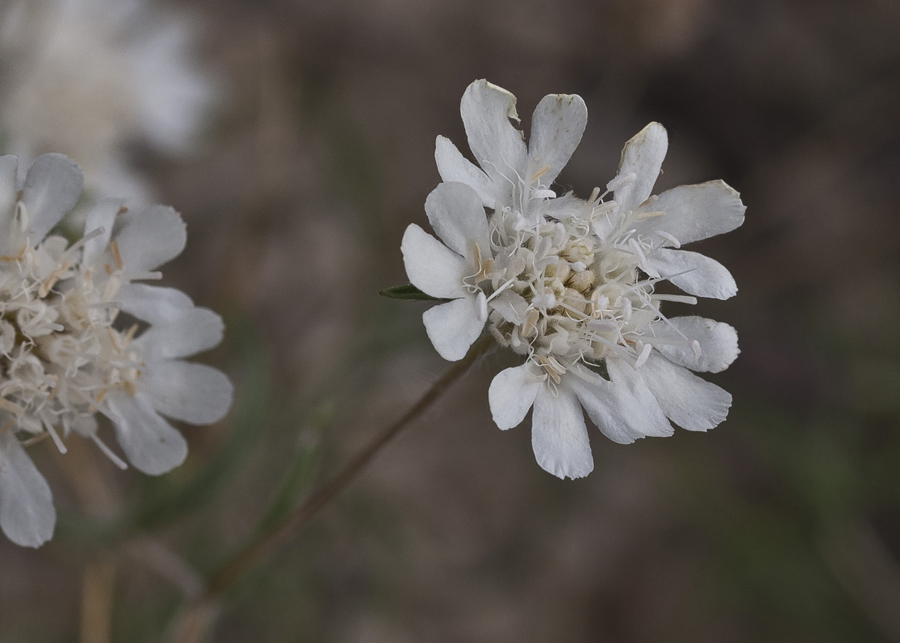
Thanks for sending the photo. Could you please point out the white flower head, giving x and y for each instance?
(65, 352)
(570, 285)
(87, 77)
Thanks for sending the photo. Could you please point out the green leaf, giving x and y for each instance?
(302, 471)
(406, 291)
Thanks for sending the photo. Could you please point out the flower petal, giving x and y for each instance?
(100, 217)
(27, 516)
(643, 156)
(636, 404)
(194, 393)
(457, 216)
(431, 266)
(453, 166)
(9, 165)
(498, 146)
(694, 273)
(689, 401)
(695, 212)
(511, 394)
(453, 327)
(718, 342)
(52, 187)
(151, 238)
(194, 331)
(511, 305)
(154, 304)
(151, 444)
(559, 436)
(610, 413)
(557, 125)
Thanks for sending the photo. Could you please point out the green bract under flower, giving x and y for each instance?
(571, 284)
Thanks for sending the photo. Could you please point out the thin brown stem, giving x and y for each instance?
(248, 558)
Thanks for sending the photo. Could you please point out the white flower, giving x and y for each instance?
(571, 285)
(65, 355)
(87, 77)
(452, 271)
(512, 175)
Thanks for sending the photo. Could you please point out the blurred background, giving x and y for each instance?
(297, 140)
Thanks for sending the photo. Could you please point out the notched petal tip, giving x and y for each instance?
(486, 87)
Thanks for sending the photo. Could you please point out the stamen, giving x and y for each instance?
(644, 356)
(683, 299)
(481, 304)
(144, 276)
(640, 216)
(12, 407)
(60, 445)
(114, 248)
(541, 172)
(668, 237)
(621, 181)
(116, 460)
(502, 288)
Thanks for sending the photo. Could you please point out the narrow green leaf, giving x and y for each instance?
(302, 471)
(406, 291)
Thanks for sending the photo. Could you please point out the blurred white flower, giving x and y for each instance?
(65, 353)
(571, 285)
(87, 77)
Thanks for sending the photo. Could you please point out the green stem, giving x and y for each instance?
(244, 561)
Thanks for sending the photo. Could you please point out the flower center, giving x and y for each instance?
(59, 352)
(561, 295)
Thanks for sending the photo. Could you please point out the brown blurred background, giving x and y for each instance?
(783, 524)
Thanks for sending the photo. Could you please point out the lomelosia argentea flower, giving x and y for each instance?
(66, 353)
(571, 285)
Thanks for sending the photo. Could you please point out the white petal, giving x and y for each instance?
(457, 216)
(556, 129)
(643, 156)
(562, 208)
(8, 170)
(431, 266)
(694, 273)
(610, 413)
(151, 444)
(27, 516)
(52, 186)
(637, 405)
(100, 217)
(718, 343)
(453, 166)
(197, 330)
(689, 401)
(511, 394)
(695, 212)
(154, 304)
(151, 238)
(194, 393)
(559, 436)
(511, 306)
(453, 327)
(498, 146)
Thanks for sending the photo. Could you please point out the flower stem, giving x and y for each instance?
(246, 559)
